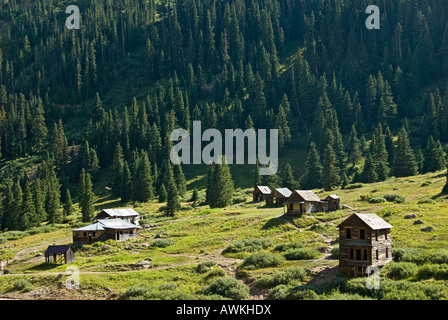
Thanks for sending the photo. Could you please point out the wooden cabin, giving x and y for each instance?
(262, 193)
(281, 195)
(102, 230)
(334, 202)
(364, 240)
(60, 254)
(304, 201)
(128, 215)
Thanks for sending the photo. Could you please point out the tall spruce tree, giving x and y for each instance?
(435, 157)
(87, 196)
(68, 204)
(405, 164)
(313, 178)
(330, 172)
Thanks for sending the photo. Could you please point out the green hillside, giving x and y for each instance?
(198, 235)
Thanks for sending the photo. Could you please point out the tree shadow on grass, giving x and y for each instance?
(274, 223)
(44, 266)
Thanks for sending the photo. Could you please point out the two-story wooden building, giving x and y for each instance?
(364, 240)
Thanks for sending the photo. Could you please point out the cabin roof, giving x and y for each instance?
(372, 220)
(284, 192)
(263, 189)
(114, 224)
(58, 249)
(333, 196)
(308, 195)
(127, 212)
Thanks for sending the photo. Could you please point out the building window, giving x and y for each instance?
(362, 234)
(351, 254)
(376, 235)
(348, 233)
(94, 234)
(358, 254)
(85, 234)
(385, 234)
(387, 253)
(377, 253)
(365, 255)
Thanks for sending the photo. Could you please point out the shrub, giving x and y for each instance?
(215, 273)
(304, 222)
(248, 245)
(263, 260)
(377, 200)
(162, 243)
(354, 186)
(302, 254)
(335, 252)
(401, 270)
(427, 271)
(418, 256)
(388, 212)
(291, 276)
(287, 246)
(284, 292)
(394, 198)
(3, 240)
(439, 256)
(22, 285)
(426, 201)
(205, 266)
(228, 288)
(366, 197)
(426, 183)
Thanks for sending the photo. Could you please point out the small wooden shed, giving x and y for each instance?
(334, 202)
(262, 193)
(281, 195)
(60, 254)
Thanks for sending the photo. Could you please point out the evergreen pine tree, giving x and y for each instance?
(369, 174)
(288, 178)
(434, 159)
(87, 196)
(195, 195)
(224, 185)
(28, 216)
(313, 178)
(39, 202)
(330, 176)
(354, 148)
(143, 184)
(163, 196)
(173, 202)
(68, 205)
(126, 183)
(181, 183)
(405, 164)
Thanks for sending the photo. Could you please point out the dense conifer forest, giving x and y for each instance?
(77, 106)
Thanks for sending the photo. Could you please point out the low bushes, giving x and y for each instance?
(262, 260)
(291, 276)
(285, 292)
(248, 245)
(205, 266)
(162, 243)
(165, 291)
(401, 270)
(228, 288)
(426, 201)
(287, 246)
(394, 198)
(302, 254)
(22, 285)
(377, 200)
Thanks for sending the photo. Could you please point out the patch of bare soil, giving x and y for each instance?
(322, 275)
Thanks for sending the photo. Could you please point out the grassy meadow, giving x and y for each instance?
(276, 257)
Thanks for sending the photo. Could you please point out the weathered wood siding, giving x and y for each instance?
(375, 249)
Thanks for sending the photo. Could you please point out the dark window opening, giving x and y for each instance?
(362, 234)
(377, 254)
(385, 234)
(376, 235)
(358, 254)
(351, 254)
(387, 252)
(365, 255)
(348, 233)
